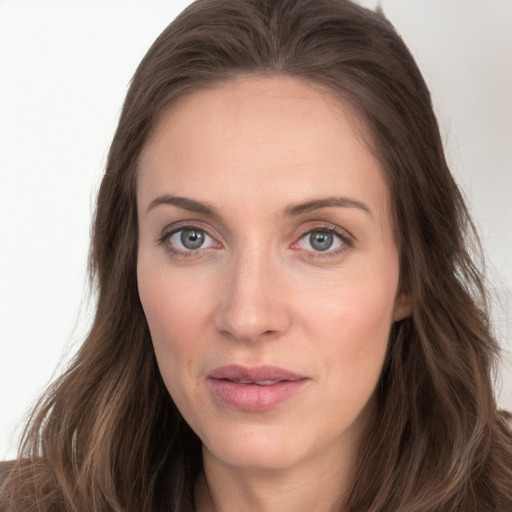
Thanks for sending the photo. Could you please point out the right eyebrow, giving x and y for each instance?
(185, 203)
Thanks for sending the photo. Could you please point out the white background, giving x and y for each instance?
(64, 70)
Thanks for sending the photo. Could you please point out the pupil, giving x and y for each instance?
(192, 239)
(321, 241)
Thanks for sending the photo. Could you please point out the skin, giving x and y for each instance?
(258, 292)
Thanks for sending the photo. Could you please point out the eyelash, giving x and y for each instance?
(168, 233)
(347, 241)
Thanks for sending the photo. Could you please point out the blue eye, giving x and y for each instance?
(191, 239)
(321, 241)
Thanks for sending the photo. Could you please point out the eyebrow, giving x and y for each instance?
(185, 203)
(290, 211)
(327, 202)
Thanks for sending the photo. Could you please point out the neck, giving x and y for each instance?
(314, 486)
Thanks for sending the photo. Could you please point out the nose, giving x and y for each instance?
(253, 300)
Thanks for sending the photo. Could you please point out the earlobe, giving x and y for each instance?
(402, 307)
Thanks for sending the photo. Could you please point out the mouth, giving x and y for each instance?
(254, 388)
(257, 382)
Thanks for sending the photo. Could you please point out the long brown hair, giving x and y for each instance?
(107, 437)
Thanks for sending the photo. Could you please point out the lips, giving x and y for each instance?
(254, 388)
(257, 382)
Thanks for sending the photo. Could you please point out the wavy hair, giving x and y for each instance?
(106, 436)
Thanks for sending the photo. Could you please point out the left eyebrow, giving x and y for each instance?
(328, 202)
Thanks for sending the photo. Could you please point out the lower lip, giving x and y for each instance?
(251, 397)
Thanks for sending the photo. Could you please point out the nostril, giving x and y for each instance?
(245, 316)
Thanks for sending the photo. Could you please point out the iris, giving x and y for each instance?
(320, 240)
(192, 238)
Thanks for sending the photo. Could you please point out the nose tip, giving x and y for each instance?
(243, 327)
(252, 304)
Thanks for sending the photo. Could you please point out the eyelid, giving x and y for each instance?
(347, 239)
(176, 227)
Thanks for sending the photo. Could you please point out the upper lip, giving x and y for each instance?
(236, 372)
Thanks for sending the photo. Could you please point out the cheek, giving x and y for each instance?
(352, 307)
(177, 313)
(351, 324)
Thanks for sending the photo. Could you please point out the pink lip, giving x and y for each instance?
(254, 389)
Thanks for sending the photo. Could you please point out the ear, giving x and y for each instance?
(403, 306)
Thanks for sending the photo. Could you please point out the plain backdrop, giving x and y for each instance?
(64, 70)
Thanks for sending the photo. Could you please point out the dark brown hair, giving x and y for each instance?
(107, 436)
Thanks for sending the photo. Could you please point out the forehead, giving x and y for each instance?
(259, 134)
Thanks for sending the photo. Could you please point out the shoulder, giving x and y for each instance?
(25, 484)
(6, 469)
(9, 469)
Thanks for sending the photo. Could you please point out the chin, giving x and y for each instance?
(254, 449)
(258, 459)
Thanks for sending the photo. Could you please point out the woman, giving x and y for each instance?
(288, 317)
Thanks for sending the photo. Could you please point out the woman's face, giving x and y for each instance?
(267, 270)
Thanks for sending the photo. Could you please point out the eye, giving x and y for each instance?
(190, 239)
(321, 240)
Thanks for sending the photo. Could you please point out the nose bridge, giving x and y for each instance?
(251, 301)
